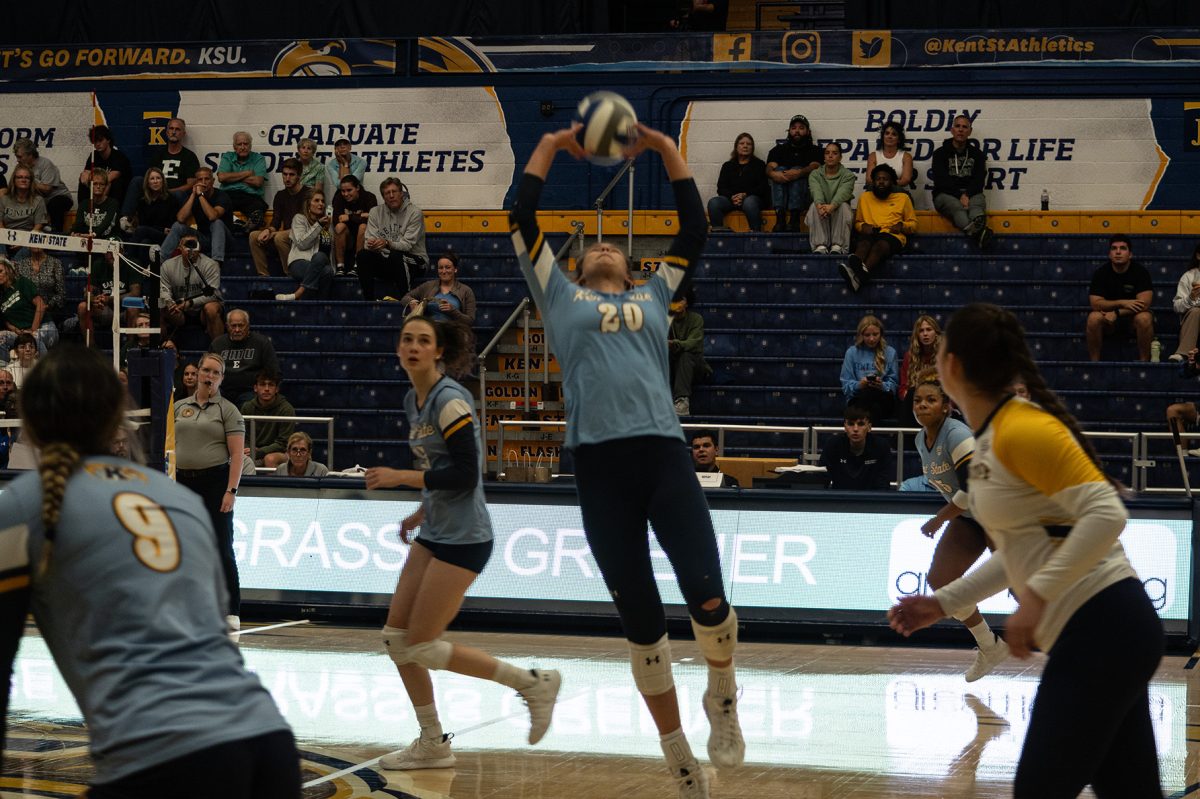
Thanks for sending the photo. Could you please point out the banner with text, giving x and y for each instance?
(1085, 153)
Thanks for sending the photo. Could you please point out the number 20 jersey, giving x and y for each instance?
(132, 607)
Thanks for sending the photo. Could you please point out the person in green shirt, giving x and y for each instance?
(22, 310)
(685, 351)
(269, 447)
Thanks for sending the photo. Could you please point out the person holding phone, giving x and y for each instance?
(869, 376)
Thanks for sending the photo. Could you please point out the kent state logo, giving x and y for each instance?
(308, 59)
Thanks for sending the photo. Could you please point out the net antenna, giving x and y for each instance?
(1181, 453)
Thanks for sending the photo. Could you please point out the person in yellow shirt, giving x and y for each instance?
(883, 222)
(1038, 490)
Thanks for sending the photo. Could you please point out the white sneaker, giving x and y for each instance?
(726, 746)
(233, 624)
(987, 659)
(285, 297)
(821, 249)
(837, 249)
(126, 224)
(421, 753)
(683, 406)
(155, 251)
(540, 698)
(1175, 357)
(692, 781)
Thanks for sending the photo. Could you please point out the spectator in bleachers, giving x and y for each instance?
(891, 149)
(1120, 295)
(1187, 305)
(704, 457)
(46, 273)
(704, 15)
(270, 438)
(47, 182)
(789, 164)
(153, 215)
(177, 164)
(207, 207)
(741, 186)
(446, 299)
(312, 169)
(188, 379)
(869, 377)
(884, 220)
(22, 208)
(351, 207)
(288, 202)
(685, 351)
(307, 262)
(246, 353)
(243, 176)
(22, 310)
(109, 286)
(857, 460)
(830, 216)
(24, 357)
(105, 156)
(921, 355)
(342, 164)
(299, 458)
(190, 290)
(98, 216)
(959, 172)
(1020, 389)
(395, 244)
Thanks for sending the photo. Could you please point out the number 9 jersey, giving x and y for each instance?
(612, 348)
(131, 606)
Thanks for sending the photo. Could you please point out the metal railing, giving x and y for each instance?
(612, 184)
(326, 420)
(810, 451)
(1145, 463)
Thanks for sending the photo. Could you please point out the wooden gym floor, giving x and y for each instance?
(821, 722)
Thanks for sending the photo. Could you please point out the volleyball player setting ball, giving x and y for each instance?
(611, 343)
(119, 565)
(1038, 490)
(452, 548)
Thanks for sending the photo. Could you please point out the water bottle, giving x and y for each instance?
(1155, 351)
(1045, 200)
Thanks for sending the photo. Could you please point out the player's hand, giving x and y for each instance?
(1020, 627)
(648, 139)
(383, 477)
(410, 524)
(931, 527)
(566, 139)
(912, 613)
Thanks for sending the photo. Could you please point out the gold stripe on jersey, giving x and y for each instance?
(1039, 449)
(676, 260)
(456, 426)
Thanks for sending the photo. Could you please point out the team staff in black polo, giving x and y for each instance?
(209, 436)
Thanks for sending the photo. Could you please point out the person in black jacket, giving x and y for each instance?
(959, 172)
(741, 186)
(857, 460)
(788, 166)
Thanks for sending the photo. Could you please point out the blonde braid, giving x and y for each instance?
(59, 460)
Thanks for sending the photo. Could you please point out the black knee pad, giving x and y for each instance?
(710, 618)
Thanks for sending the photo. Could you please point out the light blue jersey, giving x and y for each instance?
(612, 348)
(945, 463)
(132, 608)
(451, 516)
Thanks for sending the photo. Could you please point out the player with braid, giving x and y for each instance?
(452, 548)
(1039, 492)
(129, 596)
(611, 341)
(946, 447)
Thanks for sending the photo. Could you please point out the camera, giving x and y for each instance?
(191, 245)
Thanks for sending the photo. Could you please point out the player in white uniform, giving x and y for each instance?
(1037, 488)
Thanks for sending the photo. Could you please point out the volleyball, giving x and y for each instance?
(609, 125)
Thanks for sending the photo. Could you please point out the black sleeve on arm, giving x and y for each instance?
(693, 230)
(963, 473)
(523, 214)
(463, 471)
(14, 606)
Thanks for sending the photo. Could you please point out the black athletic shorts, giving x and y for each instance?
(472, 557)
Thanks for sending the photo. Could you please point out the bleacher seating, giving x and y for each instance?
(778, 321)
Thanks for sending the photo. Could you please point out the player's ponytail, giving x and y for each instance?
(59, 460)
